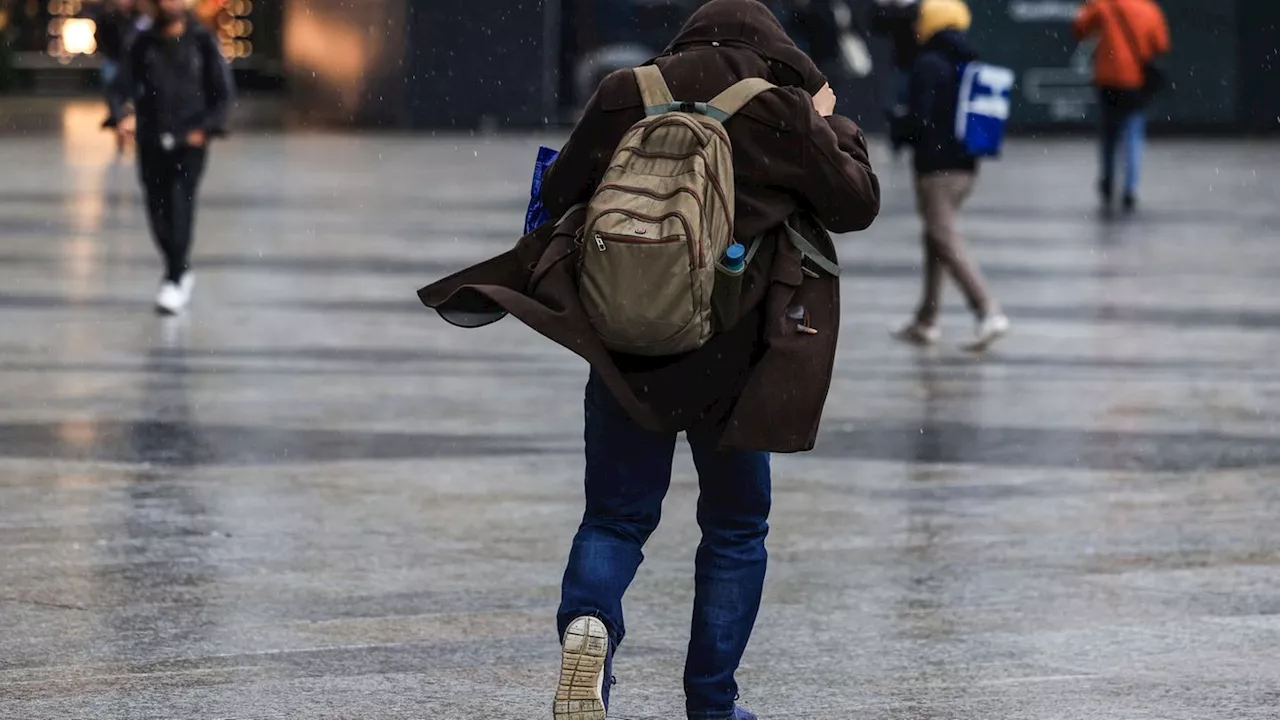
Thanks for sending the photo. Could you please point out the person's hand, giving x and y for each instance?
(825, 101)
(196, 138)
(126, 128)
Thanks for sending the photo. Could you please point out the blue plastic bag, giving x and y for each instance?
(537, 215)
(983, 110)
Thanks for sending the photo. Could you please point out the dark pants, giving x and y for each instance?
(628, 473)
(1123, 119)
(170, 179)
(115, 95)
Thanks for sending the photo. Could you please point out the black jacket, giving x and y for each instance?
(115, 31)
(935, 95)
(179, 84)
(898, 23)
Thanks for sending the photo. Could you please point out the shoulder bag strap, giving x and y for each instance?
(814, 255)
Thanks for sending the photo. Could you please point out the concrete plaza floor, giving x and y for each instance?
(310, 498)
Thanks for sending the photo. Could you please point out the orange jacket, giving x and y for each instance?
(1116, 65)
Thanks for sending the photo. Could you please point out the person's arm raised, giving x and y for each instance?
(835, 176)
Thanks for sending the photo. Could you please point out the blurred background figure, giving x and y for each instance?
(609, 35)
(181, 88)
(828, 31)
(945, 174)
(896, 21)
(117, 25)
(1132, 35)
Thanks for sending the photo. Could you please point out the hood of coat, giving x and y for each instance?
(748, 23)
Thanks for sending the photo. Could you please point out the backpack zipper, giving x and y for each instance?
(696, 261)
(715, 182)
(702, 206)
(634, 240)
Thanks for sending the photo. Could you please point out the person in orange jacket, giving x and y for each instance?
(1131, 33)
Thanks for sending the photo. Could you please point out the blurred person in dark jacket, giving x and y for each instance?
(828, 32)
(757, 386)
(896, 21)
(945, 174)
(181, 89)
(117, 27)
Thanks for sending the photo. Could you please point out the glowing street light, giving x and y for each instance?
(78, 36)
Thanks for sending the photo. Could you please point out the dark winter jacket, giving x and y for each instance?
(761, 381)
(114, 33)
(898, 24)
(179, 84)
(935, 96)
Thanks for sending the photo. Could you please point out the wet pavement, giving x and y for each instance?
(310, 498)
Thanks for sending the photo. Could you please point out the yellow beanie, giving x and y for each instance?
(939, 15)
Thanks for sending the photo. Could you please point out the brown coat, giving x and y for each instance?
(762, 380)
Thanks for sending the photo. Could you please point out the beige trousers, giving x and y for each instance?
(939, 197)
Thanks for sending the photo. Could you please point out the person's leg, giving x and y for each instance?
(1135, 139)
(1111, 121)
(111, 92)
(733, 512)
(188, 167)
(936, 213)
(627, 475)
(953, 251)
(156, 173)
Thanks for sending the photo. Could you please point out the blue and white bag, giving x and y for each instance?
(983, 109)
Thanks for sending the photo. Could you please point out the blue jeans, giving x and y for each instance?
(628, 473)
(1124, 127)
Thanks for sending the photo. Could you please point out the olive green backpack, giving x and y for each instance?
(659, 224)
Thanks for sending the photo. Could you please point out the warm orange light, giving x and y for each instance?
(77, 36)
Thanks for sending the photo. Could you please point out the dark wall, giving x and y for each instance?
(1054, 71)
(344, 61)
(1259, 66)
(499, 63)
(480, 63)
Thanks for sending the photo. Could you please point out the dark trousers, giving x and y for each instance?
(170, 179)
(628, 474)
(1123, 121)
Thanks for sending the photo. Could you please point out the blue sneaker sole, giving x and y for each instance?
(578, 694)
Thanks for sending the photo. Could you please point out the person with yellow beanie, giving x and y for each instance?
(945, 173)
(938, 15)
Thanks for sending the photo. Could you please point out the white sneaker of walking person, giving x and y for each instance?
(916, 333)
(186, 284)
(990, 329)
(173, 297)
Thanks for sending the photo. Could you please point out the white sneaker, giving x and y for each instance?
(990, 329)
(186, 284)
(172, 298)
(583, 690)
(913, 333)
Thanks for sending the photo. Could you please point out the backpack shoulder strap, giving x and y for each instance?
(726, 104)
(653, 88)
